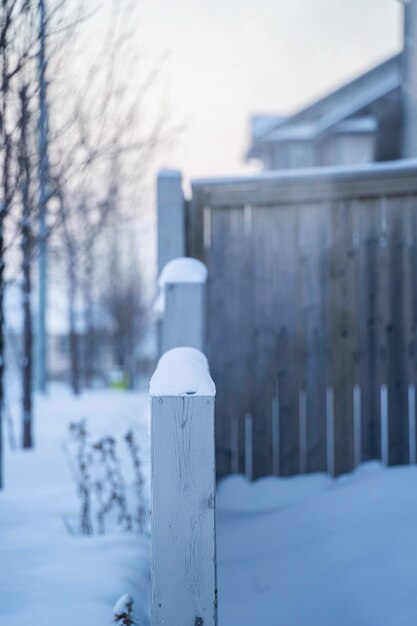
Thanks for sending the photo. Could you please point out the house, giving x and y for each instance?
(366, 120)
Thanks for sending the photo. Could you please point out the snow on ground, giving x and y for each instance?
(48, 576)
(304, 551)
(313, 552)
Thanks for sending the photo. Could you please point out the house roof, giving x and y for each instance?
(261, 124)
(334, 108)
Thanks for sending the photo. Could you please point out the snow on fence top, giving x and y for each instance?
(182, 372)
(183, 270)
(186, 353)
(339, 172)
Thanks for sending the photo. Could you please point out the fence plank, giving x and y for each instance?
(248, 447)
(330, 432)
(412, 449)
(261, 322)
(369, 325)
(312, 258)
(278, 320)
(217, 334)
(397, 379)
(343, 344)
(229, 292)
(276, 461)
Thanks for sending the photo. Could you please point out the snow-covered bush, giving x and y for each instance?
(82, 465)
(123, 611)
(140, 513)
(106, 498)
(110, 486)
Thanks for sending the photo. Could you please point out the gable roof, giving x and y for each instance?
(261, 124)
(337, 106)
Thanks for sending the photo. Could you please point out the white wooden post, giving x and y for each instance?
(184, 591)
(171, 217)
(183, 285)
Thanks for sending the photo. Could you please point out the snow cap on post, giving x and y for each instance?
(182, 372)
(186, 353)
(183, 270)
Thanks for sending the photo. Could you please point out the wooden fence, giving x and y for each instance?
(311, 316)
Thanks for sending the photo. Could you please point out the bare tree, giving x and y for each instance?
(17, 44)
(97, 164)
(122, 299)
(19, 117)
(26, 249)
(81, 223)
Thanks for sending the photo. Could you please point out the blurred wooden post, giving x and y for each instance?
(357, 425)
(275, 436)
(412, 453)
(183, 492)
(171, 217)
(384, 426)
(183, 283)
(248, 447)
(330, 431)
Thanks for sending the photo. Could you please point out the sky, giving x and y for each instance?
(228, 59)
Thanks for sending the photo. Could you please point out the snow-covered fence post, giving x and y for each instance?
(171, 217)
(182, 286)
(183, 491)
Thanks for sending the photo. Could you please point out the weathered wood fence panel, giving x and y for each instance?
(368, 287)
(342, 342)
(311, 310)
(313, 242)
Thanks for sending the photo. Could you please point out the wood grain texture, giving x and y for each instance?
(227, 323)
(183, 511)
(312, 285)
(396, 329)
(342, 332)
(278, 316)
(312, 259)
(368, 287)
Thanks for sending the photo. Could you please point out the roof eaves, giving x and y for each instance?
(362, 101)
(310, 108)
